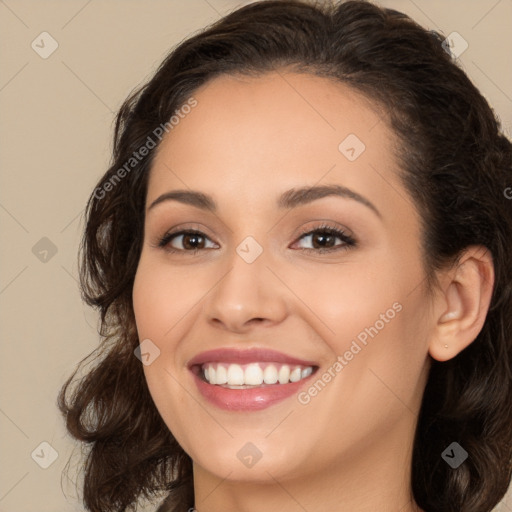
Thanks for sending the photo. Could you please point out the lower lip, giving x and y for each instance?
(253, 399)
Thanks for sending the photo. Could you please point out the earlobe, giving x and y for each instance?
(466, 301)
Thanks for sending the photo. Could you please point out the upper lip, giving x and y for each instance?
(232, 355)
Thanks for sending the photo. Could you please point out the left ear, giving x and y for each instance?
(467, 292)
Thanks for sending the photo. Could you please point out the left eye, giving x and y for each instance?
(324, 239)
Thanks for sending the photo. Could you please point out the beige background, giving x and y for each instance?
(56, 128)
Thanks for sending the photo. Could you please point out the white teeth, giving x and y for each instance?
(295, 374)
(284, 374)
(270, 374)
(306, 372)
(253, 374)
(235, 375)
(222, 375)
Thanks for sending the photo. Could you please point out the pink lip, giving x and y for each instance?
(246, 399)
(231, 355)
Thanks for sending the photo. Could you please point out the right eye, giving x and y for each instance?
(192, 241)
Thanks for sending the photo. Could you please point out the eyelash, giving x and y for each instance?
(324, 228)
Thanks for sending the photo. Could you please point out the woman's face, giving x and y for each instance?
(355, 313)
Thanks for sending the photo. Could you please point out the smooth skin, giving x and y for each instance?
(249, 140)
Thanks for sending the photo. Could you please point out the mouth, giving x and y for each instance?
(247, 376)
(249, 380)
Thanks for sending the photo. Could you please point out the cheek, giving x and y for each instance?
(348, 299)
(374, 312)
(157, 309)
(161, 296)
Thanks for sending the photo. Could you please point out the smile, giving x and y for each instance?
(236, 376)
(248, 380)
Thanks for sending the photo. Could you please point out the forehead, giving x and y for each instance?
(248, 136)
(279, 107)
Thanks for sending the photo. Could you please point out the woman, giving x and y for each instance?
(305, 239)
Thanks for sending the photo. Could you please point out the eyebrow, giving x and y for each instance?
(290, 199)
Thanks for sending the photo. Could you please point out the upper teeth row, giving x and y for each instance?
(254, 374)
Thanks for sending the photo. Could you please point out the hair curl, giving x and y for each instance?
(456, 165)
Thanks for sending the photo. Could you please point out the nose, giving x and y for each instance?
(247, 295)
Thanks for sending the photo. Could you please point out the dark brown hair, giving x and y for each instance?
(455, 164)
